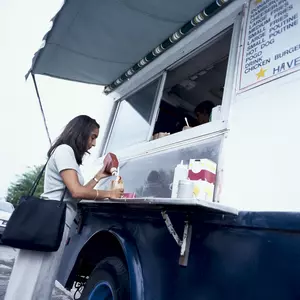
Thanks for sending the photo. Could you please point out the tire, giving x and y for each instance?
(111, 273)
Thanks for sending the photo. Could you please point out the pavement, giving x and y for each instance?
(7, 257)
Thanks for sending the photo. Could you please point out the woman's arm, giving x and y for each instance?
(78, 191)
(94, 181)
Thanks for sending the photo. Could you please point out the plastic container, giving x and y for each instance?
(180, 173)
(202, 172)
(185, 189)
(202, 169)
(203, 190)
(111, 164)
(215, 114)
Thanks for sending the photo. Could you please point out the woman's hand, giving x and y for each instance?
(186, 127)
(116, 194)
(95, 180)
(102, 174)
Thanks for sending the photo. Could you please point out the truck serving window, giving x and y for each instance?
(169, 103)
(133, 119)
(196, 84)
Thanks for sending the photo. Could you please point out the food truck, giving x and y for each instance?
(238, 236)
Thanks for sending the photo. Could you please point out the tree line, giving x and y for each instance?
(21, 186)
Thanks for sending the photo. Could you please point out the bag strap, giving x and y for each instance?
(37, 180)
(62, 197)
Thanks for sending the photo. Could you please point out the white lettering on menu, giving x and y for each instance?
(271, 42)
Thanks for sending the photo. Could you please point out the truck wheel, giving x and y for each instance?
(108, 281)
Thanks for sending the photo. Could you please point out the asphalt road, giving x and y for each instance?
(7, 256)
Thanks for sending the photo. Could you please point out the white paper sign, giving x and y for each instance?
(271, 46)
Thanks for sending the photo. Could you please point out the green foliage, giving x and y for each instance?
(23, 184)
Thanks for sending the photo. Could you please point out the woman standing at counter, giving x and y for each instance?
(34, 272)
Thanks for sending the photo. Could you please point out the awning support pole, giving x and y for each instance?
(41, 107)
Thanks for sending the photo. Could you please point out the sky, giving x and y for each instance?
(23, 137)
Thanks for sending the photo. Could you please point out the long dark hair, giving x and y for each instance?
(76, 134)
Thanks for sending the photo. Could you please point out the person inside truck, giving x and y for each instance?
(171, 121)
(203, 113)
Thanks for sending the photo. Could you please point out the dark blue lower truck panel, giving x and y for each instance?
(249, 256)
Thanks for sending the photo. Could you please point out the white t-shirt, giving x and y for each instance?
(63, 158)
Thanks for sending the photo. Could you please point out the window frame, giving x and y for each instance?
(155, 109)
(153, 114)
(233, 59)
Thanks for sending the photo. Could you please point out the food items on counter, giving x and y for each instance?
(111, 164)
(203, 174)
(180, 173)
(129, 195)
(117, 183)
(160, 135)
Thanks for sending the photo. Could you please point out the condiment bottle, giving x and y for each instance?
(111, 164)
(180, 173)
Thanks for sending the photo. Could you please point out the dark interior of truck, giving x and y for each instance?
(197, 79)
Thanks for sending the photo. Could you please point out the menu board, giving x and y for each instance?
(271, 42)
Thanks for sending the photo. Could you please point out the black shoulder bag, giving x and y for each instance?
(36, 224)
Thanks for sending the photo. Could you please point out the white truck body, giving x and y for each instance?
(257, 125)
(257, 167)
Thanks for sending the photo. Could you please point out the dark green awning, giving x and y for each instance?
(105, 42)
